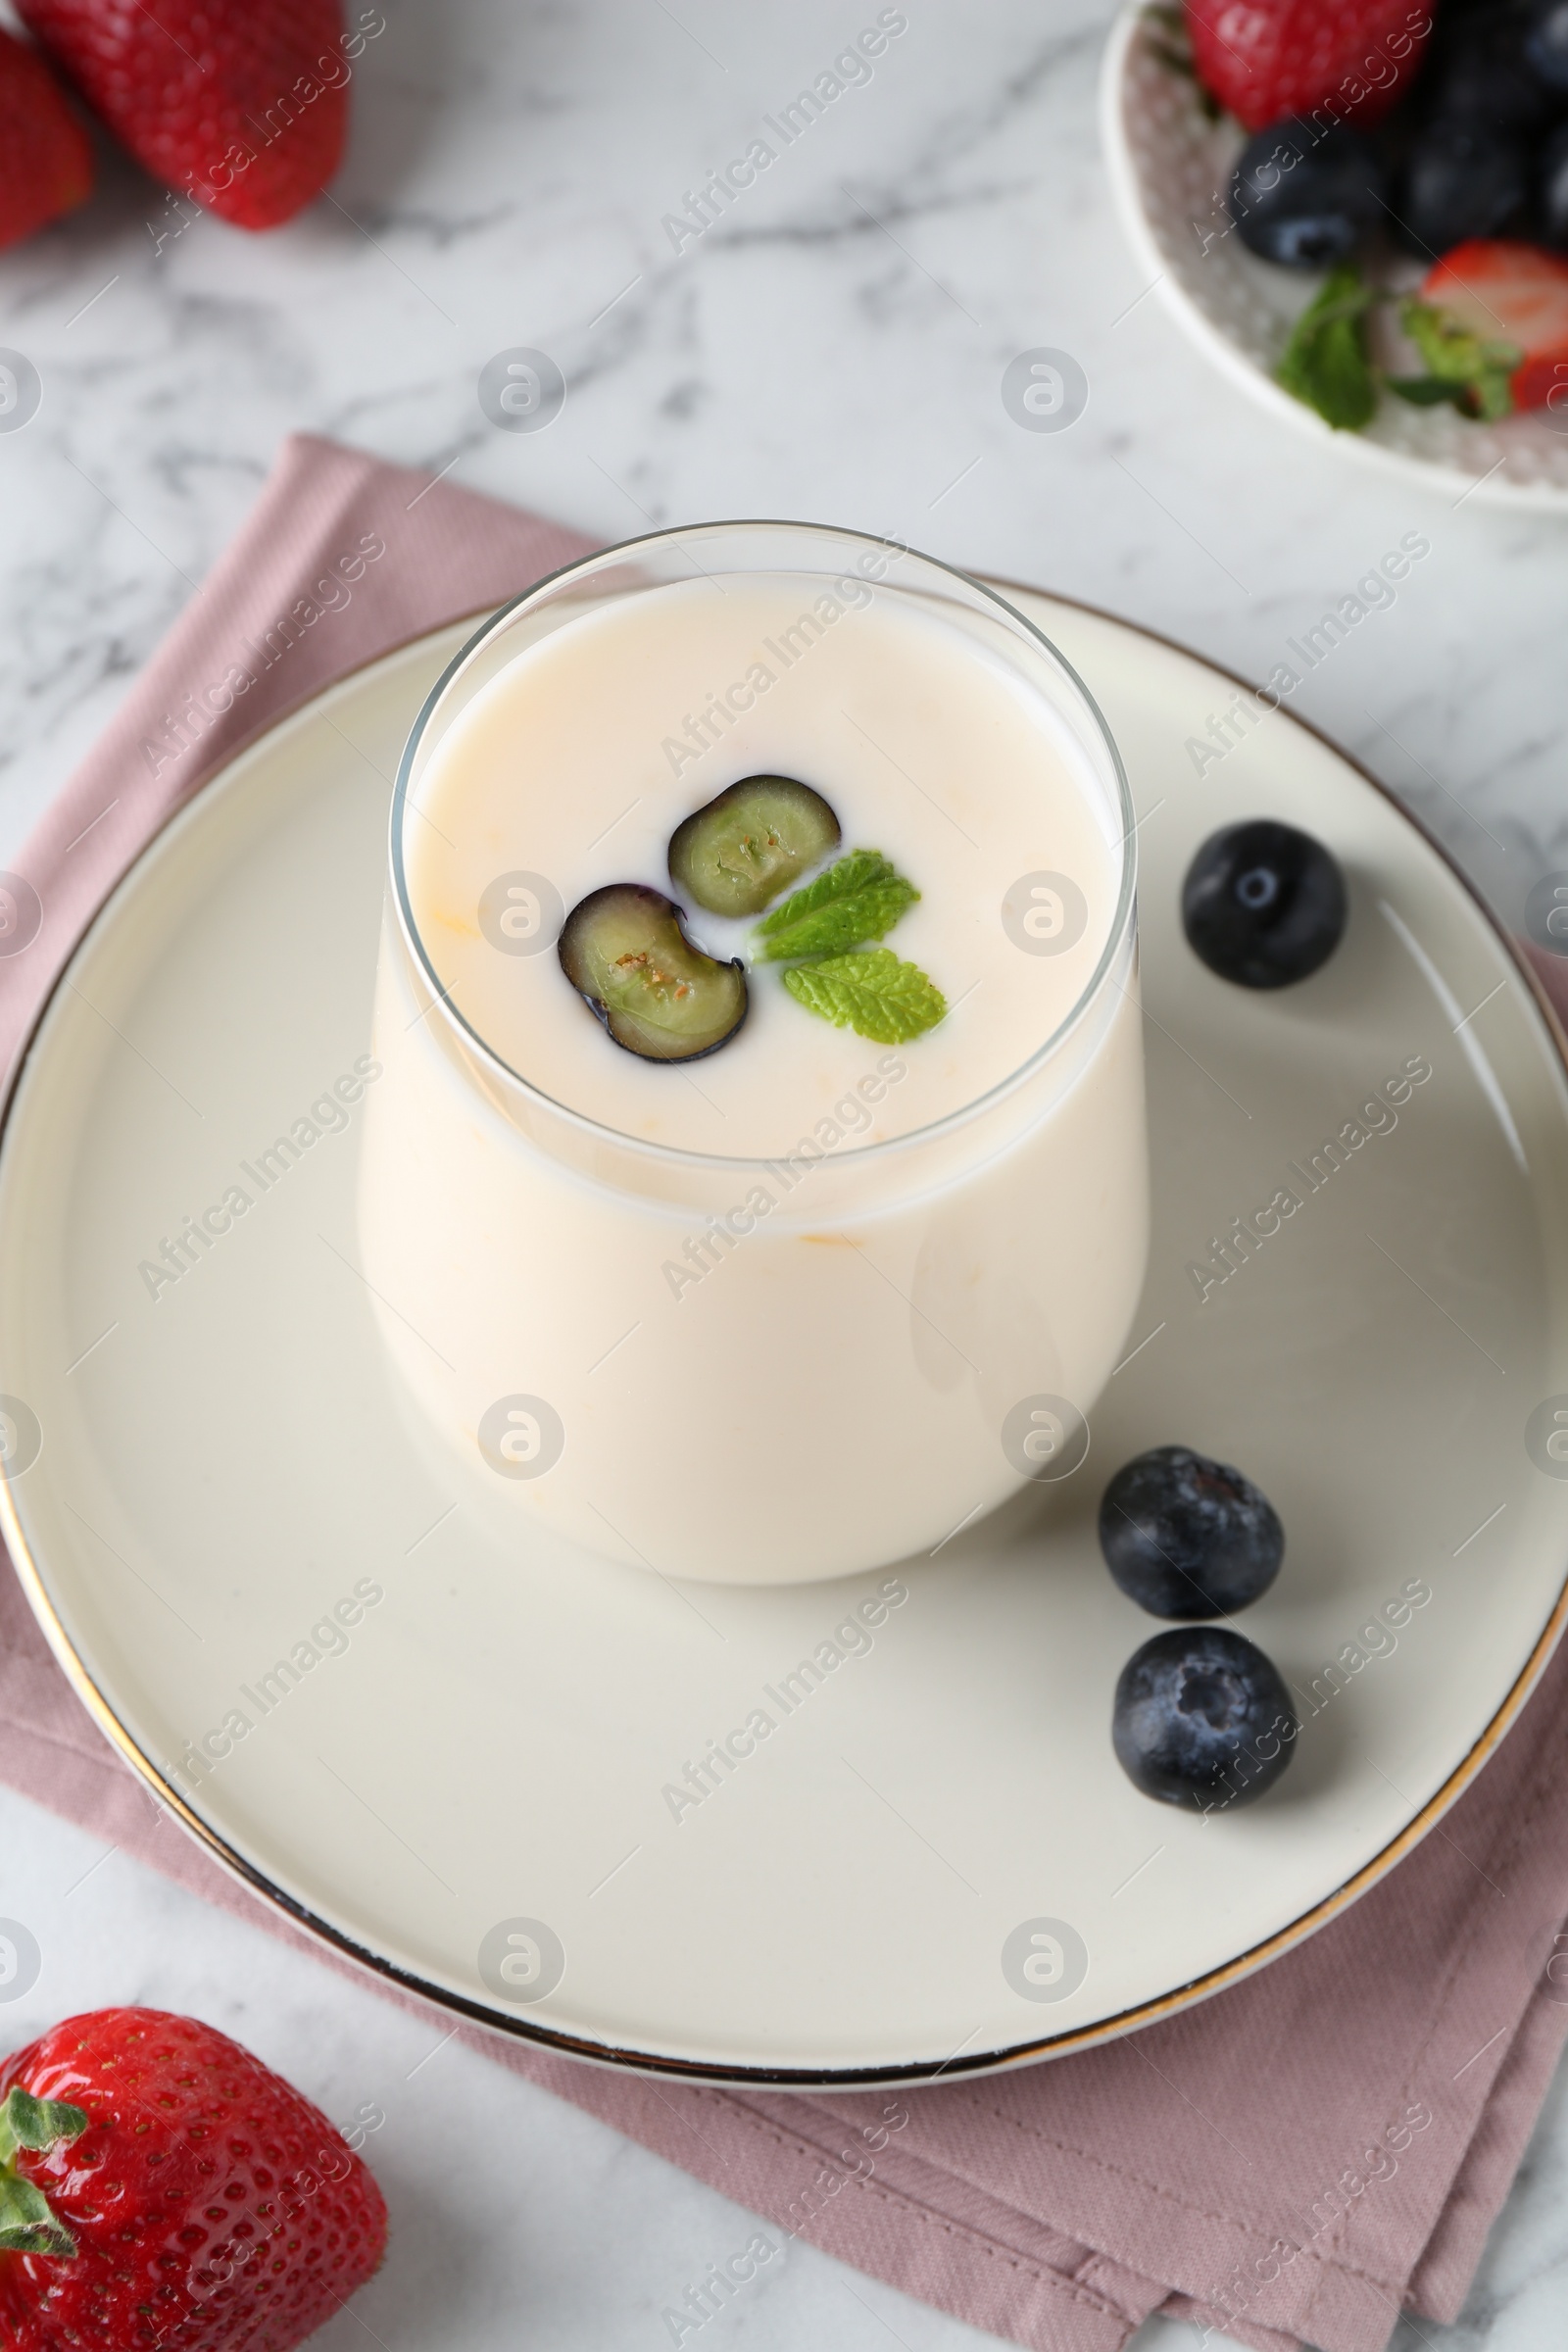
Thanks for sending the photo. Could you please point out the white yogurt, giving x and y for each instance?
(799, 1307)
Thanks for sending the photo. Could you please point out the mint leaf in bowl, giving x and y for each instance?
(1327, 362)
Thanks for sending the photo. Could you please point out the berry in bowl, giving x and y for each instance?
(1360, 211)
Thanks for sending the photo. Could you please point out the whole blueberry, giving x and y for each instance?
(1463, 178)
(1547, 43)
(1201, 1718)
(1551, 189)
(1185, 1537)
(1263, 905)
(1480, 70)
(1303, 196)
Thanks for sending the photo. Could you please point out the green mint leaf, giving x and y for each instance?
(1326, 362)
(1479, 366)
(859, 897)
(37, 2124)
(876, 995)
(26, 2225)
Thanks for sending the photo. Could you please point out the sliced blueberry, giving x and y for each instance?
(1306, 197)
(1263, 905)
(623, 948)
(1201, 1718)
(1547, 43)
(753, 841)
(1185, 1537)
(1464, 177)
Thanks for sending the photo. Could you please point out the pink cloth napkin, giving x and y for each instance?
(1301, 2158)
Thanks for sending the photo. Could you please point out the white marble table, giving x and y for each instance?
(832, 345)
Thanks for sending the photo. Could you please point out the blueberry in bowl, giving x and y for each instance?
(1476, 116)
(1465, 177)
(1203, 1719)
(1546, 44)
(1186, 1536)
(1305, 197)
(1263, 905)
(1551, 190)
(1482, 67)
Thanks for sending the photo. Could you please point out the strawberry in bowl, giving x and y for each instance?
(1413, 155)
(1266, 59)
(1512, 299)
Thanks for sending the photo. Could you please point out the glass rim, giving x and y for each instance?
(442, 1007)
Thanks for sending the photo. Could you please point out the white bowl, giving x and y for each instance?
(1169, 166)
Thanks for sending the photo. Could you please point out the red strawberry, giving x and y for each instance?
(160, 2190)
(45, 161)
(1509, 293)
(1268, 58)
(242, 103)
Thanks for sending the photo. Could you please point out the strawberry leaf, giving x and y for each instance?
(1326, 363)
(1478, 367)
(874, 994)
(26, 2225)
(36, 2124)
(859, 897)
(1430, 392)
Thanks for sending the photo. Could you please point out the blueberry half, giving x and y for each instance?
(1185, 1537)
(1203, 1719)
(1306, 197)
(1263, 905)
(657, 996)
(735, 856)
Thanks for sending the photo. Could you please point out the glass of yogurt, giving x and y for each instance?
(787, 1264)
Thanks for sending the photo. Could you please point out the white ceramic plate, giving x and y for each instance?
(490, 1741)
(1169, 166)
